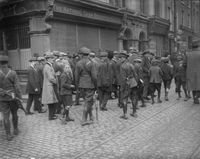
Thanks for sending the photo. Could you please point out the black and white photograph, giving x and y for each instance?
(99, 79)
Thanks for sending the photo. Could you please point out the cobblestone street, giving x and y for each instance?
(167, 130)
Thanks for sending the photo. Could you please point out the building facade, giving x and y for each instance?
(32, 26)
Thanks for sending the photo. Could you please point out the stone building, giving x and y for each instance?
(35, 26)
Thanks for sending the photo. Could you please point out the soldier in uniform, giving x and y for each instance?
(128, 85)
(9, 90)
(85, 78)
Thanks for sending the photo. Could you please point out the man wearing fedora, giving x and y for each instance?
(33, 87)
(85, 78)
(9, 90)
(50, 85)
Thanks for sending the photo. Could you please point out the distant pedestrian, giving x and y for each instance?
(180, 77)
(155, 74)
(146, 64)
(167, 77)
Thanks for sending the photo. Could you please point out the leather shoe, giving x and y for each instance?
(9, 137)
(16, 131)
(69, 119)
(104, 109)
(42, 111)
(124, 117)
(53, 118)
(30, 113)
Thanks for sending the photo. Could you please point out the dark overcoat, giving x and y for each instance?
(33, 81)
(193, 70)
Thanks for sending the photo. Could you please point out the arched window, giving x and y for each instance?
(142, 42)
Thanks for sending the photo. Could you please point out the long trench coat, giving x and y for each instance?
(49, 83)
(193, 71)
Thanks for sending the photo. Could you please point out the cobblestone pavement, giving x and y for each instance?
(167, 130)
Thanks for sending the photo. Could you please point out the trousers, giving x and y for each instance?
(88, 95)
(7, 108)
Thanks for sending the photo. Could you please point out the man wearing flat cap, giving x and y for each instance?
(9, 90)
(85, 78)
(128, 84)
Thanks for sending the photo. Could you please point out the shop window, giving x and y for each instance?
(11, 38)
(17, 37)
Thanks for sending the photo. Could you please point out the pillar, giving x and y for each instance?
(120, 44)
(151, 7)
(39, 35)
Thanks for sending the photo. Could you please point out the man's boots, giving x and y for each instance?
(15, 126)
(7, 128)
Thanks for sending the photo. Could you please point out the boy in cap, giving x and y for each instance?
(9, 90)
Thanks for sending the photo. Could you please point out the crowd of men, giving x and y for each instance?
(54, 78)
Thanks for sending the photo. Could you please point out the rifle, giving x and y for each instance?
(17, 100)
(20, 105)
(96, 105)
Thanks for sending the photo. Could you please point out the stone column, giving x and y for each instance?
(151, 7)
(39, 34)
(120, 44)
(133, 5)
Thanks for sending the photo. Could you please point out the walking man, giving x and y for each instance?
(85, 78)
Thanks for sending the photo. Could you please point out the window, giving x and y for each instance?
(168, 13)
(17, 37)
(142, 6)
(182, 17)
(123, 3)
(189, 20)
